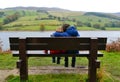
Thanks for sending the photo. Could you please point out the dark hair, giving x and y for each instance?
(65, 26)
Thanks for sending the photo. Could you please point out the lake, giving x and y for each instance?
(4, 35)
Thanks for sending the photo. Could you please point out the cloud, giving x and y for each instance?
(77, 5)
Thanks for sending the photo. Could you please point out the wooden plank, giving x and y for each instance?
(43, 39)
(57, 44)
(60, 55)
(14, 40)
(39, 54)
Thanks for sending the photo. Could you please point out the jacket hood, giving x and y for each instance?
(72, 31)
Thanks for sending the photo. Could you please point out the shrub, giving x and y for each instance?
(114, 46)
(0, 46)
(42, 27)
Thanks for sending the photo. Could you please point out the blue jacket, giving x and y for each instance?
(70, 31)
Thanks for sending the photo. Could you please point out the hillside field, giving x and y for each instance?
(34, 20)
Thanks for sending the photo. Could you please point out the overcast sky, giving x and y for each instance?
(76, 5)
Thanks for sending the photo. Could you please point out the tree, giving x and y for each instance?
(42, 27)
(102, 28)
(59, 19)
(88, 24)
(1, 26)
(99, 20)
(97, 26)
(74, 20)
(1, 14)
(79, 23)
(11, 18)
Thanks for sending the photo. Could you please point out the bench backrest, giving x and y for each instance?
(48, 43)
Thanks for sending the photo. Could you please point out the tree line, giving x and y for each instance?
(11, 18)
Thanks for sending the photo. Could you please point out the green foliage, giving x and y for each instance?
(34, 18)
(11, 18)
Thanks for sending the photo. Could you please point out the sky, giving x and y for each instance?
(109, 6)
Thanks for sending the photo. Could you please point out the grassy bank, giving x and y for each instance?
(110, 69)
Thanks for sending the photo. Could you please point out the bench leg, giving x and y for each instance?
(66, 61)
(92, 71)
(24, 71)
(73, 61)
(58, 60)
(53, 59)
(24, 60)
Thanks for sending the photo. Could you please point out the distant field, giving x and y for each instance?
(30, 20)
(86, 28)
(110, 28)
(66, 13)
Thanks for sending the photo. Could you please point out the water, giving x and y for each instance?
(4, 36)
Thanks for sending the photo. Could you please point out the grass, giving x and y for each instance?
(52, 78)
(57, 78)
(32, 28)
(111, 63)
(111, 28)
(7, 61)
(110, 69)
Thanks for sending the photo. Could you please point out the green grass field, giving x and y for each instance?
(52, 78)
(30, 20)
(110, 69)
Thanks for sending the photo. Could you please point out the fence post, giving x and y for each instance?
(92, 60)
(24, 60)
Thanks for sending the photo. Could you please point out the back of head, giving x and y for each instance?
(65, 26)
(72, 31)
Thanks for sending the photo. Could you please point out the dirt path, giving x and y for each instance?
(43, 70)
(5, 73)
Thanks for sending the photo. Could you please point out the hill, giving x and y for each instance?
(117, 14)
(37, 8)
(32, 18)
(106, 15)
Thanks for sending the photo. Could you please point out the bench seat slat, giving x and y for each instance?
(41, 54)
(56, 55)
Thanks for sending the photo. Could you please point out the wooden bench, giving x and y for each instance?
(21, 48)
